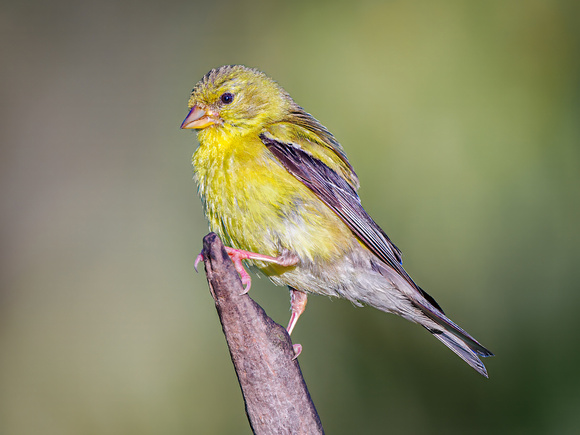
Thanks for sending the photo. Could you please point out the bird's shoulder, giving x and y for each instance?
(315, 140)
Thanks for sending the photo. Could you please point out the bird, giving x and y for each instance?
(279, 191)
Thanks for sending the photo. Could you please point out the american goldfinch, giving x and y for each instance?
(280, 192)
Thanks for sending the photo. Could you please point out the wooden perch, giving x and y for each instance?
(276, 396)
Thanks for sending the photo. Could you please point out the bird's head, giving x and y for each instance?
(236, 100)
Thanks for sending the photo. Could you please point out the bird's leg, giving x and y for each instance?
(286, 259)
(298, 301)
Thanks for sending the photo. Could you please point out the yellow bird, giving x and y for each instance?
(278, 189)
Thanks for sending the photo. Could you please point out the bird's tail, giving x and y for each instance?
(463, 350)
(427, 313)
(455, 338)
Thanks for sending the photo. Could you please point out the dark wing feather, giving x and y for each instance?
(337, 194)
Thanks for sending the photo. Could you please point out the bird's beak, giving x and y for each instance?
(200, 118)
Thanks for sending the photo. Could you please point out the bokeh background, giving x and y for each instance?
(462, 120)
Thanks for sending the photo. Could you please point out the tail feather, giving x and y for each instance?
(463, 350)
(456, 330)
(428, 314)
(457, 339)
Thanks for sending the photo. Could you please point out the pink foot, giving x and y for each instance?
(297, 350)
(197, 260)
(287, 259)
(298, 301)
(237, 255)
(244, 275)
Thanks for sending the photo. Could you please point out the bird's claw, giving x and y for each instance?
(246, 281)
(244, 275)
(197, 260)
(297, 350)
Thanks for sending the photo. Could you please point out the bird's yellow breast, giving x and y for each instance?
(254, 204)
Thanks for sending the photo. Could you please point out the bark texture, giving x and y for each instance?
(276, 397)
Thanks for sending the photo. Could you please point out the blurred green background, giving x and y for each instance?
(462, 121)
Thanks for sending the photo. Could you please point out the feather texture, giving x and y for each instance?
(275, 181)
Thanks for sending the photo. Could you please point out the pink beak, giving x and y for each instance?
(200, 118)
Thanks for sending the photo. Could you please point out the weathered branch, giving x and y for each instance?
(276, 396)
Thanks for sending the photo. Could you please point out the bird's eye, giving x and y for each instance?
(227, 98)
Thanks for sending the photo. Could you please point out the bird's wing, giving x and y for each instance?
(341, 197)
(315, 139)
